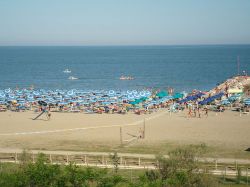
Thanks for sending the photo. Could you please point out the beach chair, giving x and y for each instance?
(75, 110)
(3, 108)
(88, 111)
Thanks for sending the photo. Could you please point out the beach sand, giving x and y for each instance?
(78, 131)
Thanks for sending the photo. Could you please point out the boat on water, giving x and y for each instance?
(72, 78)
(126, 78)
(67, 71)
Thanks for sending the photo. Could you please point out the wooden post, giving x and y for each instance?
(15, 157)
(225, 174)
(216, 165)
(144, 128)
(121, 160)
(82, 158)
(247, 175)
(85, 159)
(67, 158)
(131, 175)
(139, 161)
(102, 159)
(50, 158)
(121, 141)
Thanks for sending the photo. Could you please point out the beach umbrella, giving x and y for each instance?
(129, 92)
(247, 101)
(11, 96)
(178, 95)
(137, 96)
(147, 93)
(43, 103)
(111, 93)
(134, 92)
(7, 90)
(131, 97)
(143, 94)
(225, 102)
(36, 93)
(2, 95)
(162, 94)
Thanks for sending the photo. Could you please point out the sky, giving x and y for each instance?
(124, 22)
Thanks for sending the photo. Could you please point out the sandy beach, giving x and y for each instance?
(74, 131)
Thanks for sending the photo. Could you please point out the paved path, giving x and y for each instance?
(135, 155)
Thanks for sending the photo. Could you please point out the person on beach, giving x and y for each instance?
(199, 113)
(221, 109)
(189, 111)
(48, 115)
(194, 109)
(206, 111)
(141, 133)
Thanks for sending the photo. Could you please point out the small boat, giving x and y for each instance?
(67, 71)
(72, 78)
(126, 78)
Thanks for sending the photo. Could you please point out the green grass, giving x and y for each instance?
(140, 147)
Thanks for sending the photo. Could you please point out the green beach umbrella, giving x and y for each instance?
(162, 94)
(178, 95)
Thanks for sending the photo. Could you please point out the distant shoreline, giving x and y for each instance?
(129, 45)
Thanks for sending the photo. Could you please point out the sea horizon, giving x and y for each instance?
(124, 45)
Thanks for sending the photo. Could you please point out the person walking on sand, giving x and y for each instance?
(48, 115)
(189, 111)
(206, 111)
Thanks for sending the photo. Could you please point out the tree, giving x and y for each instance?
(42, 174)
(183, 169)
(115, 161)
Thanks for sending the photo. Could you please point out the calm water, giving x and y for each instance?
(181, 67)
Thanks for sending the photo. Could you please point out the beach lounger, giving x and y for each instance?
(3, 109)
(75, 111)
(89, 112)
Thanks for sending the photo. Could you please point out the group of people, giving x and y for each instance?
(194, 110)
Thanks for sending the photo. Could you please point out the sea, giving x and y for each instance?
(183, 68)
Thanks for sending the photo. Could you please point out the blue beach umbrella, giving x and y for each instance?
(225, 102)
(111, 93)
(2, 95)
(178, 95)
(134, 92)
(62, 103)
(36, 93)
(247, 101)
(7, 90)
(143, 94)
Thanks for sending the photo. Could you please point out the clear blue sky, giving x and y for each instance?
(124, 22)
